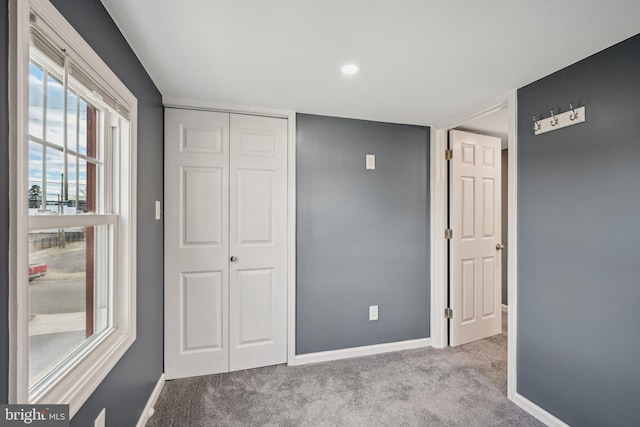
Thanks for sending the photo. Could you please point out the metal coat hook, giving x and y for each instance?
(574, 114)
(536, 124)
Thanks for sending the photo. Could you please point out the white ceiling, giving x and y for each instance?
(422, 61)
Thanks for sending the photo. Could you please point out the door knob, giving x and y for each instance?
(499, 247)
(234, 259)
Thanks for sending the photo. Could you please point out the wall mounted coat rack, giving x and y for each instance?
(559, 121)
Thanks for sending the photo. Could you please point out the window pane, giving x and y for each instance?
(35, 191)
(72, 121)
(54, 131)
(82, 135)
(82, 188)
(69, 293)
(36, 100)
(71, 206)
(54, 176)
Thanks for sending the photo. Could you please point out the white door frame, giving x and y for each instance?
(192, 104)
(439, 261)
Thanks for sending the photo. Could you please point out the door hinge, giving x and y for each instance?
(448, 233)
(448, 313)
(448, 154)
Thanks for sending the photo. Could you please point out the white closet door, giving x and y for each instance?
(476, 261)
(196, 243)
(258, 242)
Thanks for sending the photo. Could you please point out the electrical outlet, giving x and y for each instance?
(373, 312)
(101, 419)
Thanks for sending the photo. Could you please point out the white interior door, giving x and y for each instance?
(196, 243)
(258, 242)
(475, 264)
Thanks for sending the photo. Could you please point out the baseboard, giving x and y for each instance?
(348, 353)
(505, 308)
(148, 408)
(537, 411)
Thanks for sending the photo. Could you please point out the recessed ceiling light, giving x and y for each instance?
(350, 69)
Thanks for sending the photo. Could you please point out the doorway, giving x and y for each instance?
(478, 253)
(496, 111)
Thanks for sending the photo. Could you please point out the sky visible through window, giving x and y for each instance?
(46, 142)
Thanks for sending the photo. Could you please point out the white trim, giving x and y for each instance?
(198, 104)
(18, 248)
(505, 308)
(438, 262)
(46, 222)
(537, 411)
(489, 107)
(368, 350)
(75, 385)
(148, 410)
(291, 230)
(512, 244)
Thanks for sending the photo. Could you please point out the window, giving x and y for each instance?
(76, 214)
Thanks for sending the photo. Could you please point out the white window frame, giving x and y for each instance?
(88, 367)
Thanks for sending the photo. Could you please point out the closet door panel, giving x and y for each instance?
(258, 241)
(196, 243)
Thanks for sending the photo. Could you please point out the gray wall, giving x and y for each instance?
(505, 223)
(363, 235)
(4, 205)
(579, 243)
(126, 389)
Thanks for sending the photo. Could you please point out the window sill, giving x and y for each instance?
(75, 384)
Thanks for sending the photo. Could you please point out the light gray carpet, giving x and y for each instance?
(463, 386)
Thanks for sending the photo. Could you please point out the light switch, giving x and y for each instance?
(371, 161)
(158, 211)
(373, 312)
